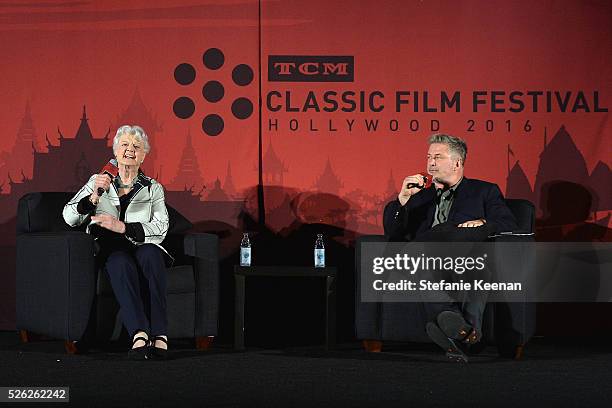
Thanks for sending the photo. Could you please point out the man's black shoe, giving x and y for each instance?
(454, 326)
(453, 349)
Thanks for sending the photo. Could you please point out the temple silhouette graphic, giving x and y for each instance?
(188, 175)
(274, 168)
(562, 161)
(136, 113)
(19, 161)
(66, 165)
(62, 167)
(214, 204)
(328, 181)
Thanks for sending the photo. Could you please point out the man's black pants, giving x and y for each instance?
(473, 307)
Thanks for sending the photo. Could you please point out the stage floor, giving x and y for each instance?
(552, 373)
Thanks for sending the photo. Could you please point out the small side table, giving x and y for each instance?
(329, 273)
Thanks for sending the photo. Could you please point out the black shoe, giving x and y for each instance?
(454, 326)
(453, 350)
(139, 353)
(157, 353)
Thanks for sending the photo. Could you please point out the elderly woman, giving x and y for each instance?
(129, 221)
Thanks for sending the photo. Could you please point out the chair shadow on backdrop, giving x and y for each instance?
(569, 216)
(287, 311)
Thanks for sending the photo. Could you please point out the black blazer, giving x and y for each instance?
(474, 199)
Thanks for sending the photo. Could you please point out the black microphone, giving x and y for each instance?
(112, 170)
(420, 186)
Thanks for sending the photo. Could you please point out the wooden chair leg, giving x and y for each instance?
(519, 351)
(203, 342)
(372, 346)
(71, 347)
(27, 337)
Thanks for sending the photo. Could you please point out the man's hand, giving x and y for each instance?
(473, 223)
(109, 222)
(405, 192)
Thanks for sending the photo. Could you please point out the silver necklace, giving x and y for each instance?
(121, 185)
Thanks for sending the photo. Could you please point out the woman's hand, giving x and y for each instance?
(102, 181)
(109, 222)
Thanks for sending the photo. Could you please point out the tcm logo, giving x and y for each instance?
(311, 68)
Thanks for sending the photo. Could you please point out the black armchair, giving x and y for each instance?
(508, 325)
(61, 291)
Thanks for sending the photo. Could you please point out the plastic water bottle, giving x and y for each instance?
(245, 250)
(319, 252)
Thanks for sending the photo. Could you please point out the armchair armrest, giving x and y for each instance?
(204, 248)
(55, 283)
(202, 245)
(515, 322)
(510, 236)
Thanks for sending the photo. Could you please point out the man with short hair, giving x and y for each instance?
(453, 208)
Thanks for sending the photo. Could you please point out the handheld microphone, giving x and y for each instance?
(426, 183)
(112, 170)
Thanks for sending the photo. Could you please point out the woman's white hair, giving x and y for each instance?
(136, 131)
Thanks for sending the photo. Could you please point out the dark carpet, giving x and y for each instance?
(552, 374)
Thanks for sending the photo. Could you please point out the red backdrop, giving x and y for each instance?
(118, 58)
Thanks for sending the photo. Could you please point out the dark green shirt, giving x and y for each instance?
(444, 202)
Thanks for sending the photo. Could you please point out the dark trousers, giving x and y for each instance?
(138, 279)
(472, 308)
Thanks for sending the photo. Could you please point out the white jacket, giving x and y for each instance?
(147, 207)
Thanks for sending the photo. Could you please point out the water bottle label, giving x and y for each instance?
(319, 255)
(245, 256)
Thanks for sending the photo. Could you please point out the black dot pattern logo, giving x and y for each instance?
(242, 108)
(213, 91)
(242, 75)
(213, 125)
(184, 74)
(213, 58)
(183, 107)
